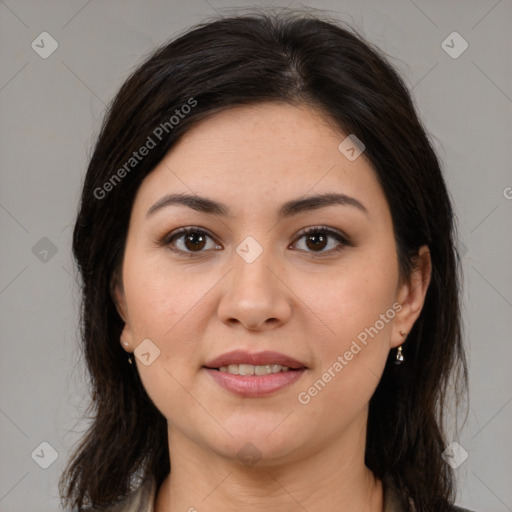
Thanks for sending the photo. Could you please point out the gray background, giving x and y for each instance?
(51, 109)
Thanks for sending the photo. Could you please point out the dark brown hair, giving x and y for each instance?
(241, 60)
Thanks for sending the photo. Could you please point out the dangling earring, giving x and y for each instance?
(399, 356)
(130, 360)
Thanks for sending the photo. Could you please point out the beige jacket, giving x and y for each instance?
(143, 498)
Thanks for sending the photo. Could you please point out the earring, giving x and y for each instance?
(130, 360)
(399, 356)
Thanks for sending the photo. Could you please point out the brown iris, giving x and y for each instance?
(195, 241)
(318, 240)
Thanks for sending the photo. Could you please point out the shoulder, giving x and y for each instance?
(140, 500)
(393, 503)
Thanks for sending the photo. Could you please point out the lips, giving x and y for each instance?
(256, 359)
(254, 385)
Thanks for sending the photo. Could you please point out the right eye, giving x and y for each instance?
(190, 240)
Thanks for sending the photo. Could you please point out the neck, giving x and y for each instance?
(331, 477)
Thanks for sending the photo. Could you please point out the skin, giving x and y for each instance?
(304, 300)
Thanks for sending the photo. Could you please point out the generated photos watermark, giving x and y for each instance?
(305, 397)
(152, 141)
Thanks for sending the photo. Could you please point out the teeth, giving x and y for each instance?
(250, 369)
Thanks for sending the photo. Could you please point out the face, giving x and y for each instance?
(265, 270)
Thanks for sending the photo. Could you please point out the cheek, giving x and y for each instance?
(165, 307)
(350, 340)
(352, 298)
(158, 295)
(172, 305)
(350, 345)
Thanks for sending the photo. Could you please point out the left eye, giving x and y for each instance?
(317, 239)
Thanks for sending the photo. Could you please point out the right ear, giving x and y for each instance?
(117, 294)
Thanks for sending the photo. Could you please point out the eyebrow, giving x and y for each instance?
(293, 207)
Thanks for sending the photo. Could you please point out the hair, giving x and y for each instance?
(297, 59)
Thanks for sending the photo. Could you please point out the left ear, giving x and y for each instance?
(411, 296)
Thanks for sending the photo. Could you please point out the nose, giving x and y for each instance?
(254, 295)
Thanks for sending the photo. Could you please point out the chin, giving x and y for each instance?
(260, 442)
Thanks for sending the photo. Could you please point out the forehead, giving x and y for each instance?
(260, 154)
(280, 132)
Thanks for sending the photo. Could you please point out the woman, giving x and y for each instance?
(265, 231)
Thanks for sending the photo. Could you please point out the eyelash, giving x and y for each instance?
(181, 232)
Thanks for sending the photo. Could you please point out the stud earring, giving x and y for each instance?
(126, 345)
(402, 333)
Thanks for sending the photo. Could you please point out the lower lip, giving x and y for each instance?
(252, 386)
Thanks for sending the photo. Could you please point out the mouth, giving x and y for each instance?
(250, 369)
(255, 375)
(256, 363)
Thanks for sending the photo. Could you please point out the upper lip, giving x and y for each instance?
(256, 359)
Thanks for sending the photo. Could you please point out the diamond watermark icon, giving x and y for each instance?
(44, 250)
(351, 147)
(146, 352)
(248, 455)
(454, 455)
(45, 455)
(249, 250)
(44, 45)
(454, 45)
